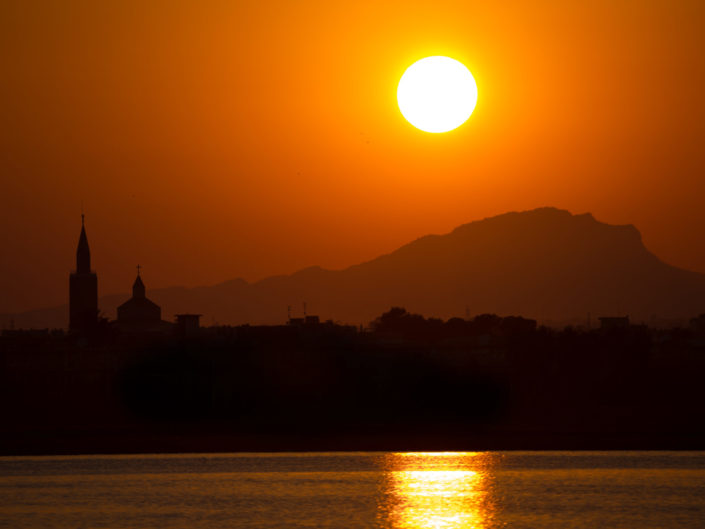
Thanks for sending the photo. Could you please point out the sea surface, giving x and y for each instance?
(355, 490)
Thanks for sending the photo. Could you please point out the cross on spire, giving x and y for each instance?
(138, 269)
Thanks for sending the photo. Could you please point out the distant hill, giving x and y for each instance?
(546, 264)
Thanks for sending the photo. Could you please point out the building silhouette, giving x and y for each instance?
(83, 288)
(187, 324)
(697, 325)
(609, 323)
(139, 312)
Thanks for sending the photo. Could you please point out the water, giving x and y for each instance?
(355, 490)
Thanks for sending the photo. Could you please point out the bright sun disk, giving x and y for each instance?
(437, 94)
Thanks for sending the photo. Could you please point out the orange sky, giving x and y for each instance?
(214, 140)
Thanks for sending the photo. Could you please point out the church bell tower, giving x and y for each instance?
(83, 288)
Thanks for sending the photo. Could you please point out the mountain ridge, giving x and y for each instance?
(545, 263)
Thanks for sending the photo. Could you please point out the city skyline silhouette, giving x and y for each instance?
(390, 265)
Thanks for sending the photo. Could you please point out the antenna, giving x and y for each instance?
(304, 309)
(288, 312)
(138, 269)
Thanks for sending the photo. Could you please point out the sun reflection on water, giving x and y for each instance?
(442, 490)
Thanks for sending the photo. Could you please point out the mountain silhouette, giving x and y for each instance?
(545, 264)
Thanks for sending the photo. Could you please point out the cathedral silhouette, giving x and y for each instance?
(137, 314)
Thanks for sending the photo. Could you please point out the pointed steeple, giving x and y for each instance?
(83, 252)
(138, 290)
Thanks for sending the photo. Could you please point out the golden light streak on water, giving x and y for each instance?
(444, 490)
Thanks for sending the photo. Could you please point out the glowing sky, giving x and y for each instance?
(214, 140)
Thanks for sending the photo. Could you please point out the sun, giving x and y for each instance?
(437, 94)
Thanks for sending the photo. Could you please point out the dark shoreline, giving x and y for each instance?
(412, 384)
(113, 443)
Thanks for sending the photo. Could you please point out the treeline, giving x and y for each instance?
(416, 327)
(409, 377)
(414, 374)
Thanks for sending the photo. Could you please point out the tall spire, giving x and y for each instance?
(83, 288)
(83, 252)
